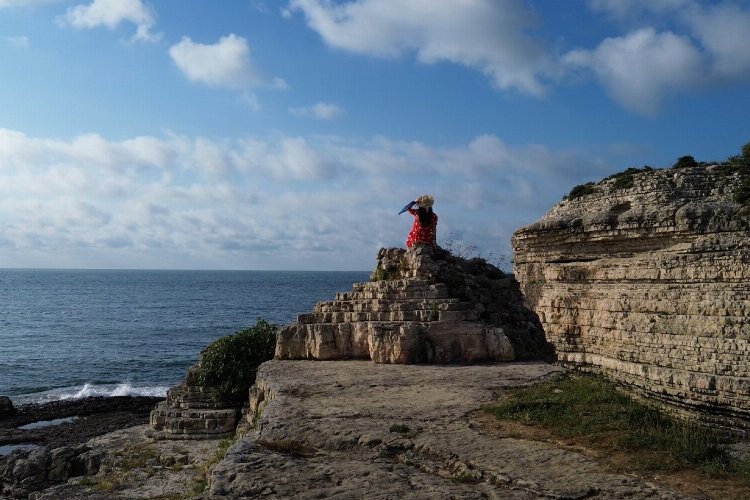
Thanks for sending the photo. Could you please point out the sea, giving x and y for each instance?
(75, 333)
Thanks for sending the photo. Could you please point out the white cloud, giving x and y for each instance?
(110, 13)
(486, 35)
(226, 63)
(640, 68)
(272, 202)
(705, 45)
(319, 110)
(724, 32)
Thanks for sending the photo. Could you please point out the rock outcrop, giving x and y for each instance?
(647, 279)
(422, 306)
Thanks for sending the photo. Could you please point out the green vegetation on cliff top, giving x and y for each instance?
(626, 179)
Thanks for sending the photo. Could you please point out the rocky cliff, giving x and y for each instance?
(646, 277)
(423, 305)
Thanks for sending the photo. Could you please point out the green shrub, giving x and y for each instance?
(582, 190)
(685, 162)
(229, 364)
(742, 195)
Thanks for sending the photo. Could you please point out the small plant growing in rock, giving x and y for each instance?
(469, 252)
(685, 162)
(626, 178)
(400, 428)
(582, 190)
(741, 164)
(229, 364)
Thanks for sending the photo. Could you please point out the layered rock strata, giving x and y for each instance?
(192, 411)
(650, 283)
(422, 306)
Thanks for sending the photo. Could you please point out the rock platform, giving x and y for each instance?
(357, 429)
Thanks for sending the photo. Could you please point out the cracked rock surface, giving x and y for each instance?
(357, 429)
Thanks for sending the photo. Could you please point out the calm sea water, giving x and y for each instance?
(76, 333)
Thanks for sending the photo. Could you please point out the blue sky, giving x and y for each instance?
(287, 134)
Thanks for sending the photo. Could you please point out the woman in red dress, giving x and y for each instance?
(424, 230)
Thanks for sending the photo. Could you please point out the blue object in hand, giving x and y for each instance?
(407, 207)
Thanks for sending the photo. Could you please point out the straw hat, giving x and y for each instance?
(425, 201)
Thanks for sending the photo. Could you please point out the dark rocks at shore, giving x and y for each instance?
(95, 416)
(59, 451)
(6, 406)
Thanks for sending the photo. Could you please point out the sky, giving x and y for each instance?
(287, 134)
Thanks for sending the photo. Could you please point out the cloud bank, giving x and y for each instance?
(275, 202)
(703, 45)
(486, 35)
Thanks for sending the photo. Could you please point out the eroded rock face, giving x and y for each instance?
(650, 284)
(423, 306)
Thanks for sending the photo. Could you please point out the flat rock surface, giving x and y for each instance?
(356, 429)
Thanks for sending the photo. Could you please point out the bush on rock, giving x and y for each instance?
(229, 364)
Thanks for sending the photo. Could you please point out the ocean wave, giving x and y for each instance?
(91, 389)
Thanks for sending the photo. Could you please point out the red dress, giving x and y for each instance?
(420, 233)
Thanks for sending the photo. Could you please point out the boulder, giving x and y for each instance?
(6, 407)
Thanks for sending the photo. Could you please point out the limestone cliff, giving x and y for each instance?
(422, 306)
(646, 276)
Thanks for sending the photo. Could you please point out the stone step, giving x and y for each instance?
(403, 285)
(396, 342)
(174, 423)
(194, 397)
(423, 315)
(393, 295)
(452, 304)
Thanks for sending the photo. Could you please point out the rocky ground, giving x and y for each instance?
(356, 429)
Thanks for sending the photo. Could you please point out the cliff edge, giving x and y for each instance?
(645, 276)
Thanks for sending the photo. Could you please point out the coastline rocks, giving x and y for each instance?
(6, 407)
(422, 306)
(650, 284)
(31, 470)
(58, 452)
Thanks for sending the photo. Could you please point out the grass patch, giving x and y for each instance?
(400, 428)
(592, 412)
(201, 481)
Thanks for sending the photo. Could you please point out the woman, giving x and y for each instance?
(424, 230)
